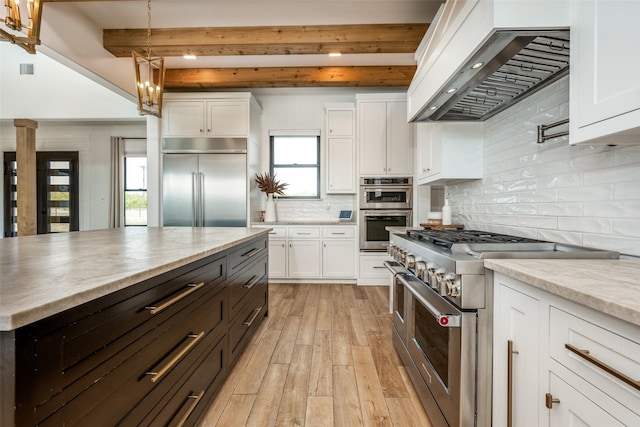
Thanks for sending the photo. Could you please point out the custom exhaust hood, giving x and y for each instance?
(471, 69)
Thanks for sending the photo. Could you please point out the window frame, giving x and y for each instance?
(317, 165)
(138, 190)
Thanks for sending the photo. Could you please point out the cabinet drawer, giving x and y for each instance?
(139, 368)
(278, 233)
(372, 267)
(103, 330)
(572, 337)
(247, 320)
(345, 232)
(243, 284)
(183, 396)
(303, 232)
(240, 257)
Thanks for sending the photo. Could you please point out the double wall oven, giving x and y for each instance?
(443, 314)
(384, 202)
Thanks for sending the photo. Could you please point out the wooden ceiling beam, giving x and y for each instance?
(190, 79)
(270, 40)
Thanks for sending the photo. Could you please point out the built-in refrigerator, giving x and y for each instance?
(204, 189)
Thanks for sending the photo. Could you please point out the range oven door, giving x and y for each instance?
(373, 235)
(385, 197)
(442, 345)
(400, 299)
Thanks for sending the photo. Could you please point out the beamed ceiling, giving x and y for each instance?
(279, 42)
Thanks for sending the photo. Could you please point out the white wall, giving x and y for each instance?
(92, 141)
(583, 195)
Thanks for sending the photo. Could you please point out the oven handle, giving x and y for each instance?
(444, 320)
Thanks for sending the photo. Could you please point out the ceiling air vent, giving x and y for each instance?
(26, 69)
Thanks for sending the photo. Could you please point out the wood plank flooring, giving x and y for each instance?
(323, 357)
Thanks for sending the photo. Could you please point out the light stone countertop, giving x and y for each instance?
(609, 286)
(303, 222)
(46, 274)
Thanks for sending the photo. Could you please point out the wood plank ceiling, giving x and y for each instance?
(271, 40)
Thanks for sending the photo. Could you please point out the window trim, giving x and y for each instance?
(317, 165)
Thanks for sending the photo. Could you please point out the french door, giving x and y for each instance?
(57, 192)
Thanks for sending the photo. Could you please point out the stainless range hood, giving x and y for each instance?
(512, 58)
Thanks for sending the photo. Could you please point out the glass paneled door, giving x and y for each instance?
(57, 192)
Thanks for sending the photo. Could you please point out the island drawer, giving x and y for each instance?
(72, 350)
(239, 258)
(139, 368)
(247, 321)
(591, 351)
(241, 285)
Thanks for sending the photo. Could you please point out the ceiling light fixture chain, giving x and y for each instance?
(149, 76)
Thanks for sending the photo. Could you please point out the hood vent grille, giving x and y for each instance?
(516, 64)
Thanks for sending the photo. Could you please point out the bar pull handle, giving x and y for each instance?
(194, 399)
(194, 197)
(600, 364)
(253, 316)
(156, 375)
(379, 267)
(549, 400)
(251, 282)
(510, 353)
(191, 288)
(251, 253)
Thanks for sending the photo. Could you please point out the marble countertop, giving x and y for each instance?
(46, 274)
(304, 222)
(609, 286)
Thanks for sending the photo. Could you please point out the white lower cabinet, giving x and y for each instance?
(572, 365)
(515, 355)
(318, 252)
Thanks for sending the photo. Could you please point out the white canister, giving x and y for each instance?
(446, 213)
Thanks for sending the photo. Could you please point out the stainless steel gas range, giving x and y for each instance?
(443, 314)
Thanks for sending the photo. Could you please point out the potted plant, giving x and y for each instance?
(269, 185)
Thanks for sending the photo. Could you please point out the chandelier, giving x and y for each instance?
(14, 25)
(149, 76)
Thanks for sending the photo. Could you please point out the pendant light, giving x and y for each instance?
(14, 26)
(149, 76)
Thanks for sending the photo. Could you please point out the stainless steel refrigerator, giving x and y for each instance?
(204, 190)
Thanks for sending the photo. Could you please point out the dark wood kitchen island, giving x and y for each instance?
(129, 326)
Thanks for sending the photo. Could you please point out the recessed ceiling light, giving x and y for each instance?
(433, 108)
(335, 54)
(189, 56)
(452, 89)
(477, 65)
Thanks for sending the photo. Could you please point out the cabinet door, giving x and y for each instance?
(574, 409)
(429, 150)
(605, 89)
(304, 258)
(227, 119)
(400, 156)
(341, 174)
(372, 135)
(277, 258)
(183, 118)
(338, 259)
(516, 321)
(339, 123)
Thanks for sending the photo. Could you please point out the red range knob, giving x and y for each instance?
(444, 321)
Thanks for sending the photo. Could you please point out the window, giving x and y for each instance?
(135, 190)
(295, 160)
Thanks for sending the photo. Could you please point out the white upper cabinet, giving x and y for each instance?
(188, 115)
(604, 77)
(385, 139)
(448, 152)
(341, 150)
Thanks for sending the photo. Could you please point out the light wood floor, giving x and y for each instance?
(323, 357)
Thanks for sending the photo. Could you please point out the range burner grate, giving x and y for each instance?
(447, 238)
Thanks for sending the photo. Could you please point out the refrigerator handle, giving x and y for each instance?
(202, 196)
(193, 199)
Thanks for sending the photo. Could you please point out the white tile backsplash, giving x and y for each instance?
(326, 209)
(581, 195)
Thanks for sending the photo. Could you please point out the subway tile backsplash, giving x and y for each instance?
(581, 195)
